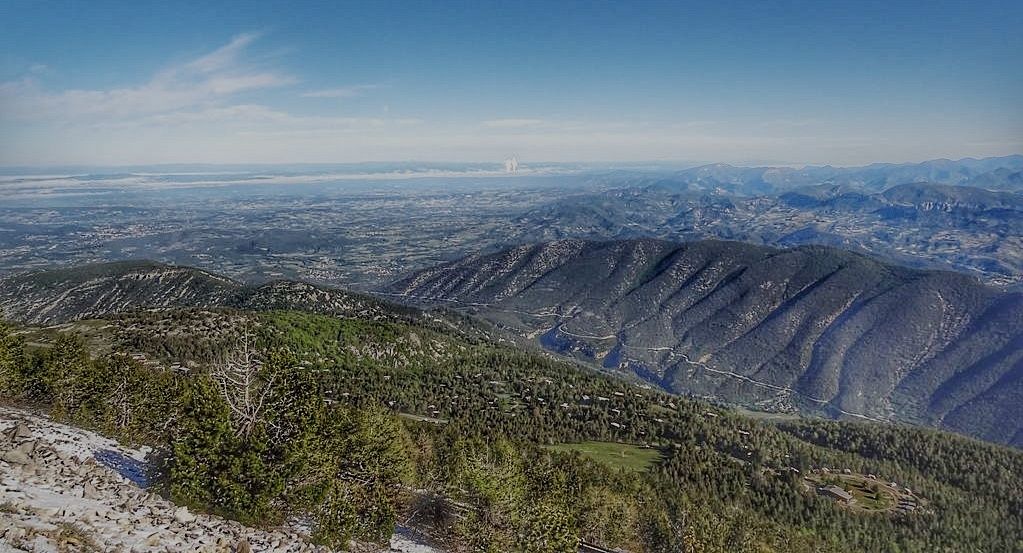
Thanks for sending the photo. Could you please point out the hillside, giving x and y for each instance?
(534, 445)
(61, 295)
(490, 439)
(929, 197)
(812, 329)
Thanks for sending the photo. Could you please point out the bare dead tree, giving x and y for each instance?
(242, 386)
(122, 401)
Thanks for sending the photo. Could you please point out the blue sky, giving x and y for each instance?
(237, 82)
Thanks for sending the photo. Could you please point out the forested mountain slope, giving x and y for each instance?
(496, 442)
(60, 295)
(811, 328)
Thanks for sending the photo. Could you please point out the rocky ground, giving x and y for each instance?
(65, 489)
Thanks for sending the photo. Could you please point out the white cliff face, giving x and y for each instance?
(66, 489)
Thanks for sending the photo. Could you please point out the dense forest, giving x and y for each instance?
(353, 423)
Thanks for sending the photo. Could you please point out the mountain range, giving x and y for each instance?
(60, 295)
(812, 328)
(1004, 173)
(924, 225)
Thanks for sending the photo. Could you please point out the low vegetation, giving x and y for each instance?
(297, 414)
(624, 456)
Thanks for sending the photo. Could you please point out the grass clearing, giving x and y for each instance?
(869, 494)
(765, 415)
(422, 418)
(627, 456)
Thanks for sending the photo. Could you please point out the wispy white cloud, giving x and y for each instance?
(207, 80)
(225, 56)
(246, 117)
(217, 107)
(211, 107)
(341, 92)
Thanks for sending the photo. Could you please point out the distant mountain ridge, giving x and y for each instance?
(61, 295)
(810, 328)
(924, 225)
(994, 173)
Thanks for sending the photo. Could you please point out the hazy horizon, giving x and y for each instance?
(475, 166)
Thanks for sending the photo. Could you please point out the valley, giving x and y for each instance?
(511, 277)
(555, 338)
(365, 232)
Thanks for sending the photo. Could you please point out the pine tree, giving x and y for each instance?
(12, 363)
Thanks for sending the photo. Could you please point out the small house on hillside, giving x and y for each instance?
(837, 493)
